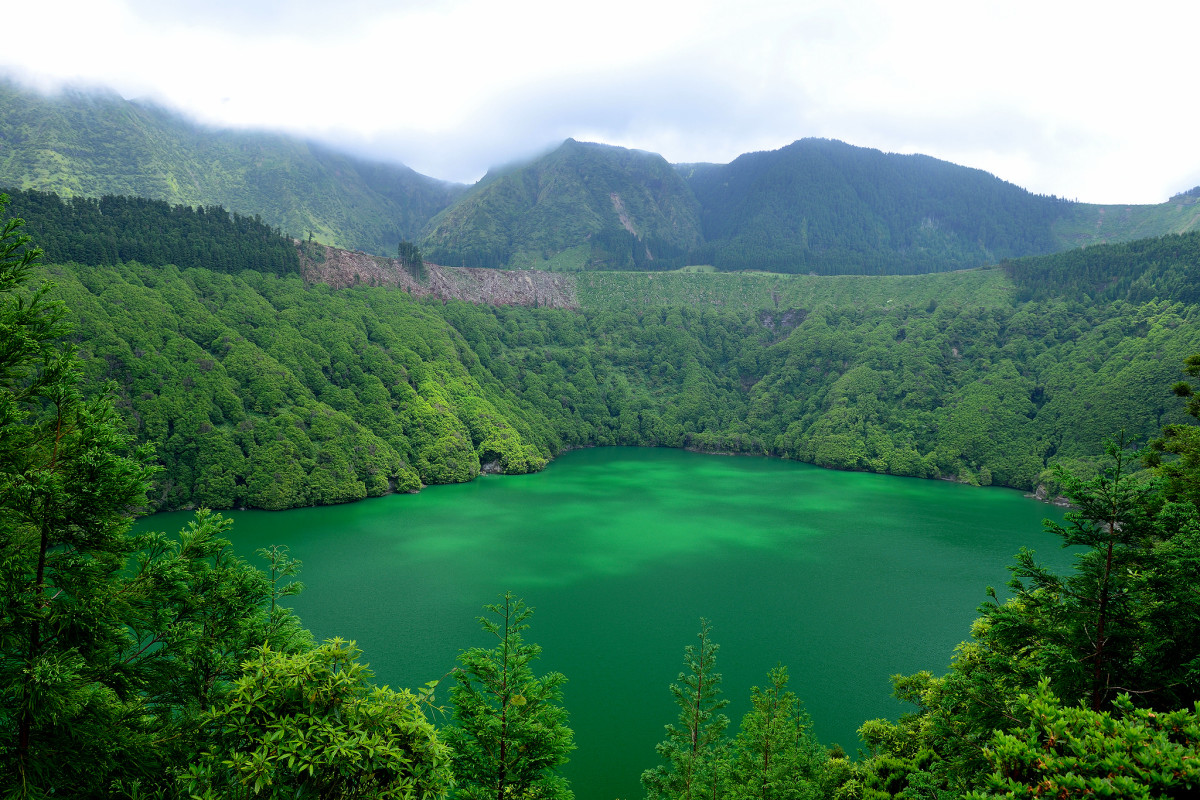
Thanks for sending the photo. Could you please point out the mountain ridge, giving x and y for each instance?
(814, 206)
(96, 143)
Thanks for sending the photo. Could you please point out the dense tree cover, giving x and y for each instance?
(582, 205)
(163, 666)
(91, 144)
(827, 207)
(1085, 684)
(311, 725)
(1165, 268)
(1129, 753)
(111, 645)
(1090, 650)
(815, 205)
(259, 391)
(115, 229)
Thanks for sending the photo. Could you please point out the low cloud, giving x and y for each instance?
(1094, 107)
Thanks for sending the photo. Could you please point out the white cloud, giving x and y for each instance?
(1094, 103)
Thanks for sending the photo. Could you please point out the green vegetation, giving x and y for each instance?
(411, 259)
(91, 144)
(310, 724)
(826, 207)
(111, 646)
(1117, 635)
(163, 666)
(816, 206)
(1126, 753)
(510, 733)
(1167, 268)
(612, 208)
(693, 752)
(114, 230)
(258, 391)
(1086, 224)
(775, 755)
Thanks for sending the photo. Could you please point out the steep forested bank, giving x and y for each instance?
(260, 391)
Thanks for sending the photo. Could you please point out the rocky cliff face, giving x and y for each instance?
(343, 268)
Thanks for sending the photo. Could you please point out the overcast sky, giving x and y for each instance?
(1089, 101)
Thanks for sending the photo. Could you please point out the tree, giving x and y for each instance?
(411, 259)
(1072, 751)
(694, 752)
(111, 645)
(510, 735)
(1088, 624)
(311, 725)
(775, 754)
(195, 612)
(1182, 475)
(69, 481)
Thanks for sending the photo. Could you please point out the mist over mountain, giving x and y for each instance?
(816, 206)
(97, 143)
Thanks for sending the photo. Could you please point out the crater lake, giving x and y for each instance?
(844, 577)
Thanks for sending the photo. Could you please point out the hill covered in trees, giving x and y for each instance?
(262, 390)
(814, 206)
(582, 206)
(827, 207)
(92, 144)
(113, 230)
(157, 665)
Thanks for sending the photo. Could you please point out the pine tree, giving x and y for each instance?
(694, 751)
(776, 756)
(510, 735)
(68, 483)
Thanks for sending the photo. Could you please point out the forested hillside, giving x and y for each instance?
(582, 206)
(93, 144)
(259, 390)
(115, 229)
(827, 207)
(1165, 268)
(815, 206)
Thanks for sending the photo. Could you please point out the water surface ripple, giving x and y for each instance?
(845, 577)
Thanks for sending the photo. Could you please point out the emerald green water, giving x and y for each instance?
(845, 577)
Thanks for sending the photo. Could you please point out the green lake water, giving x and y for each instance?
(844, 577)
